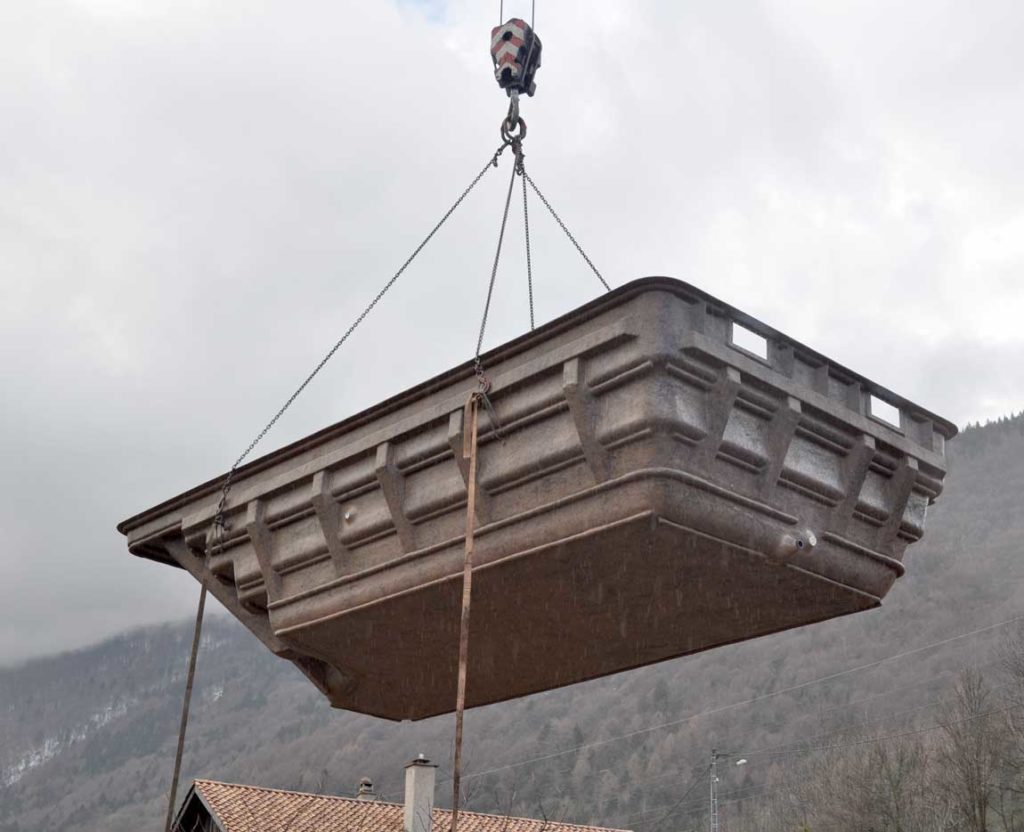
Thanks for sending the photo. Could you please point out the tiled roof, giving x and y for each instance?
(253, 809)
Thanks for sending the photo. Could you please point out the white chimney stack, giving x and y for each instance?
(420, 775)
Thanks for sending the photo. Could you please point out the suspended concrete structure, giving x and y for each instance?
(647, 488)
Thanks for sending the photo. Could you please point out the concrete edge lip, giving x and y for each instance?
(653, 283)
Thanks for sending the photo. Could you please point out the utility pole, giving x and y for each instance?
(714, 791)
(715, 757)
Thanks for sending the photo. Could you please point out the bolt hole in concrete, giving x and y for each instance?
(750, 341)
(885, 412)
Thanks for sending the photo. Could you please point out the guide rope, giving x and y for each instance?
(470, 425)
(189, 679)
(513, 131)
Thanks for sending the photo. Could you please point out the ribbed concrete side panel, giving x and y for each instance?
(658, 490)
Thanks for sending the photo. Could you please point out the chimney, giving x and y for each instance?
(366, 791)
(419, 794)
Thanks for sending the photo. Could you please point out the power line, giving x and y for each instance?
(850, 729)
(890, 691)
(687, 793)
(787, 748)
(761, 790)
(735, 796)
(751, 701)
(793, 749)
(860, 726)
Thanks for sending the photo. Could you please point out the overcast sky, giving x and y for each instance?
(197, 198)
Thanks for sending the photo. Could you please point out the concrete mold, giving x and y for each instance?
(659, 490)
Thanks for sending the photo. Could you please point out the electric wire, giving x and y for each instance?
(696, 782)
(776, 751)
(867, 725)
(765, 789)
(750, 701)
(795, 747)
(735, 796)
(799, 748)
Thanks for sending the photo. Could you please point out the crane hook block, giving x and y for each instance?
(515, 49)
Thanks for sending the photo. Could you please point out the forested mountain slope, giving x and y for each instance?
(87, 738)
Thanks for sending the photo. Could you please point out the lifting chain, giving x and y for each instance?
(220, 524)
(516, 52)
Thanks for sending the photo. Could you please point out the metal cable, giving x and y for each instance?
(492, 162)
(568, 234)
(529, 262)
(494, 270)
(189, 679)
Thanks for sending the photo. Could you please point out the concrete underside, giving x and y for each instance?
(631, 594)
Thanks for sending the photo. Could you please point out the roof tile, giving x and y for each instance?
(241, 808)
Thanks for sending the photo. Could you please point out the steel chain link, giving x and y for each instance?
(568, 234)
(220, 526)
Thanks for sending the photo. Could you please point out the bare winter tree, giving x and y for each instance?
(864, 784)
(972, 752)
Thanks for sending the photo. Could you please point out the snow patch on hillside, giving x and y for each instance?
(52, 746)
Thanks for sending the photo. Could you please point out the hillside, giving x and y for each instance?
(86, 738)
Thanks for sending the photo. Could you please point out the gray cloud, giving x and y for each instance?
(198, 199)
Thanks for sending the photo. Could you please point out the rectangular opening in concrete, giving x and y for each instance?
(884, 412)
(749, 341)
